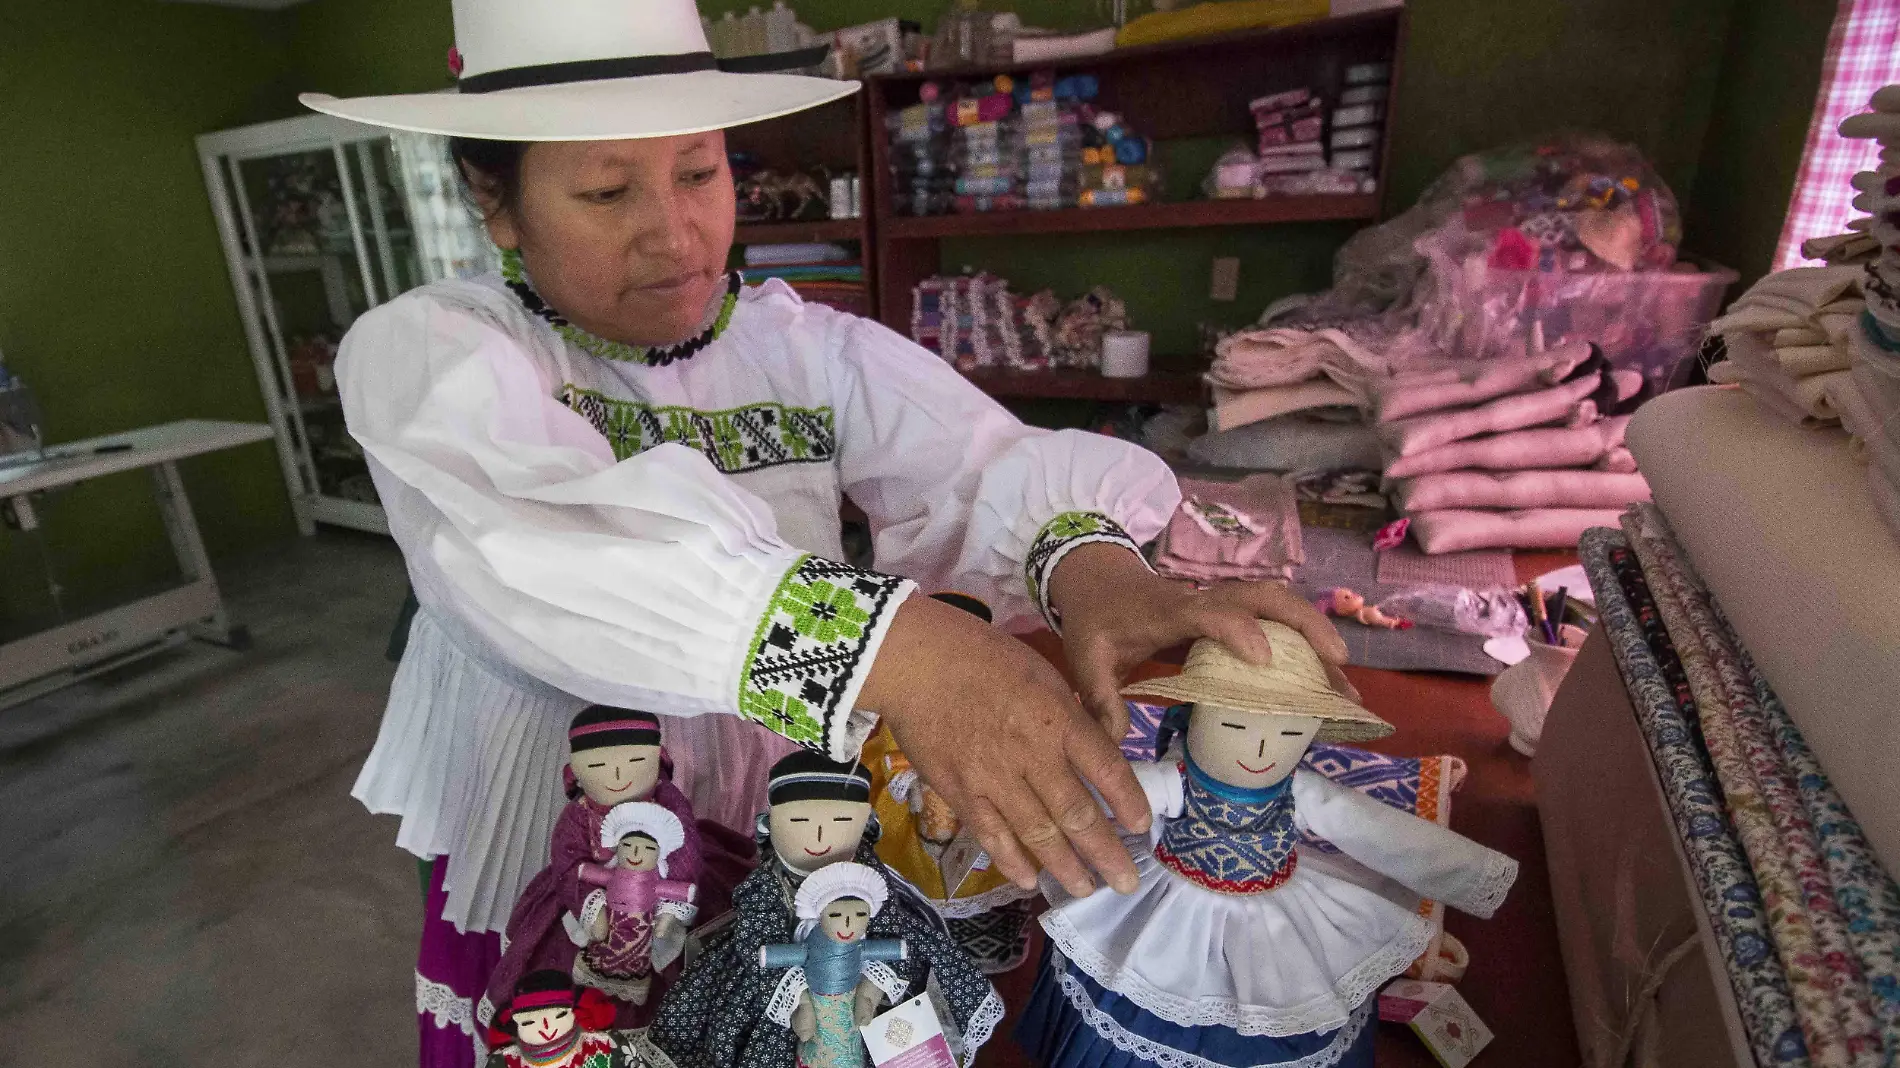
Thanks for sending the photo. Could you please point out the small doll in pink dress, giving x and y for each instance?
(635, 923)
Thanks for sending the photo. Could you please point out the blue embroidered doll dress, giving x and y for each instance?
(831, 973)
(1238, 949)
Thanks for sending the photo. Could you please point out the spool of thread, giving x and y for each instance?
(1125, 354)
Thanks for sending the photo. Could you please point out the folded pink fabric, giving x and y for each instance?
(1282, 356)
(1413, 394)
(1233, 530)
(1455, 529)
(1618, 460)
(1519, 489)
(1560, 404)
(1236, 408)
(1519, 450)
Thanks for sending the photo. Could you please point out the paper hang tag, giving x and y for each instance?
(962, 858)
(908, 1036)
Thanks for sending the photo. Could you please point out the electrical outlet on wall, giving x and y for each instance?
(1226, 281)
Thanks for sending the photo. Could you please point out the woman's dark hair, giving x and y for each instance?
(497, 161)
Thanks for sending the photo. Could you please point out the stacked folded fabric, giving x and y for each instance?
(1290, 400)
(1788, 340)
(1868, 397)
(1815, 968)
(1247, 530)
(1517, 454)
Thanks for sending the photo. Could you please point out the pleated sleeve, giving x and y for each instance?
(652, 583)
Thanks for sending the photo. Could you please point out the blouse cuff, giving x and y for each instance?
(812, 652)
(683, 911)
(1059, 537)
(581, 933)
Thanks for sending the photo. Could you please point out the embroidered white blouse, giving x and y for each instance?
(667, 537)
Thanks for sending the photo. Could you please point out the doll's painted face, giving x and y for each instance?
(638, 852)
(538, 1027)
(845, 920)
(1250, 750)
(811, 834)
(616, 773)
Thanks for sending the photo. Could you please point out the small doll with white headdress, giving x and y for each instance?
(836, 976)
(620, 919)
(1237, 948)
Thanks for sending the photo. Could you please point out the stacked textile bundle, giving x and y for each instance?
(1788, 340)
(819, 273)
(1869, 400)
(1518, 454)
(1806, 918)
(1290, 400)
(1247, 530)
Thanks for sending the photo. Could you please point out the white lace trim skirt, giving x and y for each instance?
(470, 753)
(1292, 961)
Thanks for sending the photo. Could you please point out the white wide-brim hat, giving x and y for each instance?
(585, 70)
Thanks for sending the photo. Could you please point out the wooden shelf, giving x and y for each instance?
(1181, 215)
(1159, 386)
(799, 232)
(1372, 23)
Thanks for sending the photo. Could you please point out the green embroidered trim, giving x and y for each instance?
(516, 278)
(747, 438)
(1058, 536)
(809, 646)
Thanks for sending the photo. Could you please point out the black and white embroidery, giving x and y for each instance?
(750, 438)
(1057, 538)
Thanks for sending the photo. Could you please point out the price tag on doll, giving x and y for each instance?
(962, 858)
(908, 1036)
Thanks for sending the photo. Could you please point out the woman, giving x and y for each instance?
(615, 477)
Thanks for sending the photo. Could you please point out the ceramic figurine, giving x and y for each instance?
(1238, 948)
(548, 1024)
(1346, 604)
(721, 1012)
(615, 758)
(635, 923)
(836, 978)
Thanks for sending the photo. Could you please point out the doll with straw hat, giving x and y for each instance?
(1237, 948)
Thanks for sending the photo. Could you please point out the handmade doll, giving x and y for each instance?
(636, 922)
(549, 1024)
(1238, 948)
(721, 1012)
(615, 758)
(836, 975)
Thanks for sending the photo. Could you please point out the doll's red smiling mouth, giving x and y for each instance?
(817, 852)
(619, 789)
(1256, 771)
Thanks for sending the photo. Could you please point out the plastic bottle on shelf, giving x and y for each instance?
(781, 28)
(726, 36)
(752, 32)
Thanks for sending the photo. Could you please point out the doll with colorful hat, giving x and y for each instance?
(835, 973)
(722, 1012)
(614, 758)
(548, 1023)
(1238, 948)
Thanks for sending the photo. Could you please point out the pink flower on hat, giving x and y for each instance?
(455, 61)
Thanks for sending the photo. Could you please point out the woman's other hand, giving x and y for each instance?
(995, 729)
(1116, 613)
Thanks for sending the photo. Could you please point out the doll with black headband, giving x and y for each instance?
(615, 758)
(729, 1011)
(548, 1023)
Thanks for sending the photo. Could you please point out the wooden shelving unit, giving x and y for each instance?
(1197, 88)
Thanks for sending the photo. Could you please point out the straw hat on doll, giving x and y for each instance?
(1294, 684)
(585, 70)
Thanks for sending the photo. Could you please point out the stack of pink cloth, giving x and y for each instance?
(1247, 530)
(1513, 454)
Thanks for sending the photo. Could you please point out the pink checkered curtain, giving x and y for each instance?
(1863, 54)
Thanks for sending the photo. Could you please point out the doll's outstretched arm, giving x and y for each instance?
(1163, 783)
(1419, 854)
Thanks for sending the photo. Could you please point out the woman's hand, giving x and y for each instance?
(1116, 613)
(995, 729)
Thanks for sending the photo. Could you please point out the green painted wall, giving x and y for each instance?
(114, 300)
(1771, 72)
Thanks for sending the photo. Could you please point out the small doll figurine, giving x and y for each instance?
(548, 1024)
(721, 1013)
(1238, 948)
(1349, 605)
(636, 922)
(835, 969)
(615, 759)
